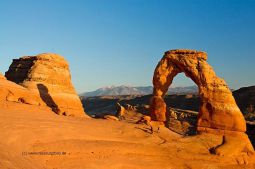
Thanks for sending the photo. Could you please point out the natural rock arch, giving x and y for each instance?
(218, 112)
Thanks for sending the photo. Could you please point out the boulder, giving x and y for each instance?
(144, 120)
(110, 117)
(129, 107)
(48, 75)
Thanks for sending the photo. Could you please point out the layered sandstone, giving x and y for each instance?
(47, 75)
(218, 112)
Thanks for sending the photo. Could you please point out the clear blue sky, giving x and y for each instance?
(114, 42)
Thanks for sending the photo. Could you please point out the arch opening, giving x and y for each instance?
(182, 100)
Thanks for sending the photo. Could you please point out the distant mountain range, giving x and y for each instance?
(142, 90)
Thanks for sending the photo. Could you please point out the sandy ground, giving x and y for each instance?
(80, 143)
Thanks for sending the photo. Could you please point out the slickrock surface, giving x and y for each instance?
(47, 74)
(29, 135)
(218, 112)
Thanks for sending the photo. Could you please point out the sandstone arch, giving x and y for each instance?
(218, 112)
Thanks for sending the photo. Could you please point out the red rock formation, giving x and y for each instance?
(120, 111)
(47, 75)
(12, 92)
(218, 112)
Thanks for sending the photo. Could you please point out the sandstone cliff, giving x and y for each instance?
(47, 75)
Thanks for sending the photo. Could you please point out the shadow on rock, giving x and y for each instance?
(47, 99)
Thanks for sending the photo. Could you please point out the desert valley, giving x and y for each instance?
(44, 126)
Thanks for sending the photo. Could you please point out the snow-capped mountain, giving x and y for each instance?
(141, 90)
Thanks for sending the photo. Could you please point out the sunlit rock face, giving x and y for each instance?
(218, 112)
(10, 91)
(47, 74)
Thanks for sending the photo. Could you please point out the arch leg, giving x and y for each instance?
(162, 79)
